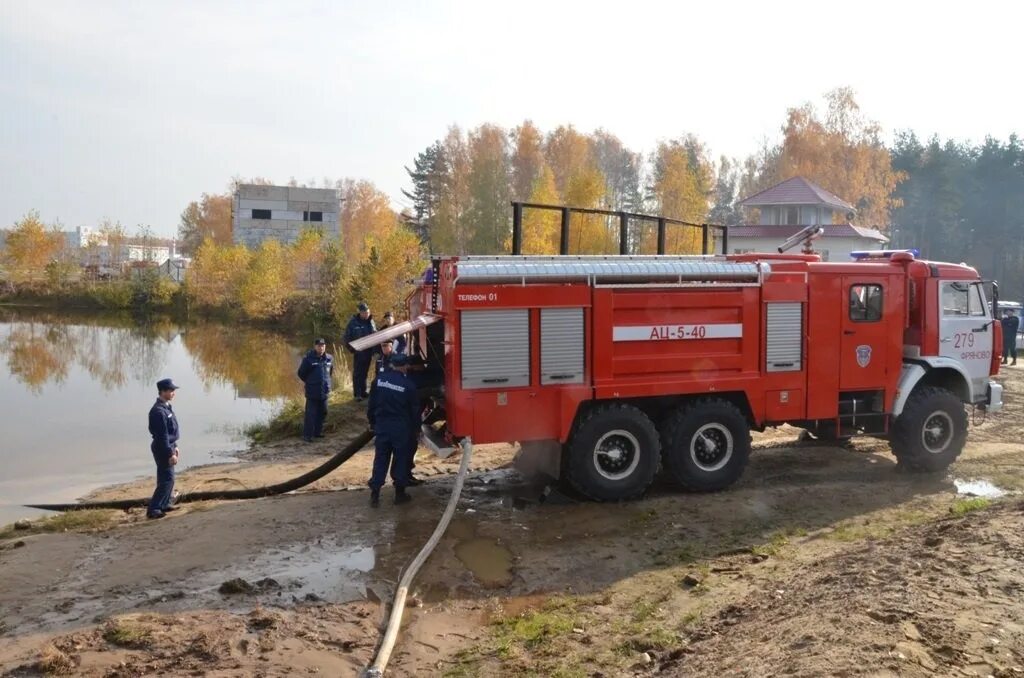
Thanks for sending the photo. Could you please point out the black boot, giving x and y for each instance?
(374, 498)
(401, 496)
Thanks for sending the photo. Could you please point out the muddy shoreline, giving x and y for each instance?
(821, 560)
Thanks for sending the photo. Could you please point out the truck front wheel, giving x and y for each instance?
(931, 431)
(707, 445)
(613, 454)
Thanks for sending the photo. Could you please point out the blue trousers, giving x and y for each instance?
(394, 451)
(164, 484)
(1010, 348)
(316, 413)
(360, 371)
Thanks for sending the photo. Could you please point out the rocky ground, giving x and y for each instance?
(822, 560)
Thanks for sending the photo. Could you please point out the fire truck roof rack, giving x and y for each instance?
(609, 270)
(624, 218)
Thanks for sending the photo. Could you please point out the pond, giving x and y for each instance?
(75, 392)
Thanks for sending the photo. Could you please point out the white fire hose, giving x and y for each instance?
(376, 669)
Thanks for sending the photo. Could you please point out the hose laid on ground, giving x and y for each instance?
(252, 493)
(376, 669)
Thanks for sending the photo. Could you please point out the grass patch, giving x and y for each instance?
(127, 634)
(692, 617)
(533, 629)
(848, 533)
(773, 547)
(53, 662)
(287, 421)
(964, 506)
(643, 638)
(70, 521)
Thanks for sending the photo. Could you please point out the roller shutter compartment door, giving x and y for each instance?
(561, 346)
(784, 340)
(495, 348)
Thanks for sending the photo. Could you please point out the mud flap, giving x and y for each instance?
(539, 458)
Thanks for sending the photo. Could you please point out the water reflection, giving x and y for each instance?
(76, 390)
(40, 349)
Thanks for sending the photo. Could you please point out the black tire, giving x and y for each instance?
(706, 445)
(931, 431)
(613, 453)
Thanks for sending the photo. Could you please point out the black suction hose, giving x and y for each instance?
(253, 493)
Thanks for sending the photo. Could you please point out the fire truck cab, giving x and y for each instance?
(617, 366)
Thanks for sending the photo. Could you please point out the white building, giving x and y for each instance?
(282, 212)
(786, 208)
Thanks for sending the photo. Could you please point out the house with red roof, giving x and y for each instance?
(794, 204)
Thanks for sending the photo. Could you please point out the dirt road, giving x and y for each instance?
(822, 561)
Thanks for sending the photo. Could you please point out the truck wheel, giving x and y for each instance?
(613, 453)
(707, 445)
(931, 431)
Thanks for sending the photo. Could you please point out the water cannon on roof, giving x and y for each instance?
(805, 236)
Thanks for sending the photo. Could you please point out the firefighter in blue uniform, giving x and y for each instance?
(1011, 324)
(163, 426)
(315, 372)
(394, 416)
(359, 326)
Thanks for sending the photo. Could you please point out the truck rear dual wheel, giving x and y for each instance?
(706, 445)
(931, 431)
(613, 453)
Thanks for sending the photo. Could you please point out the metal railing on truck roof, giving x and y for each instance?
(624, 218)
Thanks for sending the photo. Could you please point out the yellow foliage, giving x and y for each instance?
(268, 282)
(682, 185)
(383, 278)
(542, 228)
(30, 247)
(217, 273)
(365, 212)
(843, 153)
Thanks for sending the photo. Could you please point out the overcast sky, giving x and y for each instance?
(130, 110)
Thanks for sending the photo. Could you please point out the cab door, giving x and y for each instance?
(965, 330)
(862, 353)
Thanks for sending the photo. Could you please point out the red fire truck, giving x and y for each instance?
(616, 366)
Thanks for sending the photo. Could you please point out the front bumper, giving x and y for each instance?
(994, 402)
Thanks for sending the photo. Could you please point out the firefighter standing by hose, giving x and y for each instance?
(394, 416)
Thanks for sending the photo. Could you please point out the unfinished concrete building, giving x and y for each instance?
(282, 212)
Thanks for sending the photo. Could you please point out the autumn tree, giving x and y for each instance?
(308, 253)
(527, 159)
(209, 217)
(382, 278)
(268, 281)
(842, 151)
(488, 184)
(621, 168)
(365, 212)
(681, 188)
(30, 247)
(541, 228)
(217, 273)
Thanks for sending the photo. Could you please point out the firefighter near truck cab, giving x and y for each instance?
(617, 366)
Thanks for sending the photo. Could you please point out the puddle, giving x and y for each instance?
(488, 561)
(978, 488)
(324, 571)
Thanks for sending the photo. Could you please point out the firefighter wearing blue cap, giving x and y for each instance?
(315, 372)
(163, 426)
(394, 416)
(360, 325)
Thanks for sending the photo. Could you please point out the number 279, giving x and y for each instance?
(963, 340)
